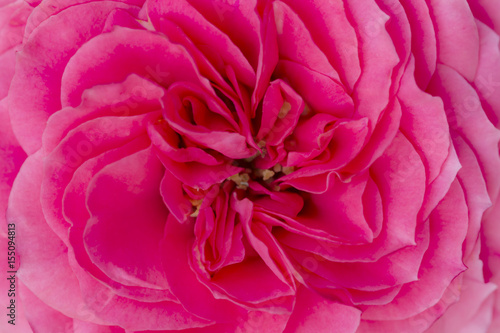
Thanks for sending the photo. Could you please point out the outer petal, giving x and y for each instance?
(35, 90)
(41, 250)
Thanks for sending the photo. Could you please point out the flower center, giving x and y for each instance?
(265, 177)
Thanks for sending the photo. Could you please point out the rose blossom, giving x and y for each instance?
(251, 166)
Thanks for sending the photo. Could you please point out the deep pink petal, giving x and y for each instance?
(295, 42)
(134, 96)
(41, 251)
(85, 326)
(127, 216)
(103, 59)
(35, 90)
(441, 264)
(201, 31)
(319, 91)
(313, 313)
(331, 29)
(84, 142)
(193, 295)
(423, 39)
(11, 156)
(101, 304)
(378, 62)
(75, 212)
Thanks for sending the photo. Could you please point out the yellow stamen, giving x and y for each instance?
(284, 110)
(267, 174)
(288, 170)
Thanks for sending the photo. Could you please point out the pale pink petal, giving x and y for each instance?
(456, 35)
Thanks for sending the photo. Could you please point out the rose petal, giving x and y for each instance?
(193, 295)
(127, 216)
(201, 32)
(75, 211)
(86, 141)
(457, 36)
(41, 249)
(40, 316)
(487, 78)
(102, 60)
(331, 29)
(35, 89)
(313, 313)
(12, 157)
(441, 264)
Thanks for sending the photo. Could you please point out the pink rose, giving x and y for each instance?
(251, 166)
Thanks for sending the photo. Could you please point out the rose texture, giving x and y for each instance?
(251, 165)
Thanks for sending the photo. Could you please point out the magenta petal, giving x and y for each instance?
(378, 61)
(42, 10)
(332, 30)
(319, 91)
(198, 175)
(394, 269)
(35, 91)
(315, 314)
(339, 211)
(173, 197)
(275, 125)
(347, 140)
(201, 32)
(134, 96)
(400, 206)
(127, 220)
(11, 156)
(194, 296)
(312, 137)
(84, 142)
(378, 141)
(468, 120)
(13, 17)
(441, 264)
(103, 59)
(75, 212)
(41, 251)
(425, 125)
(295, 42)
(101, 304)
(268, 56)
(423, 36)
(230, 279)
